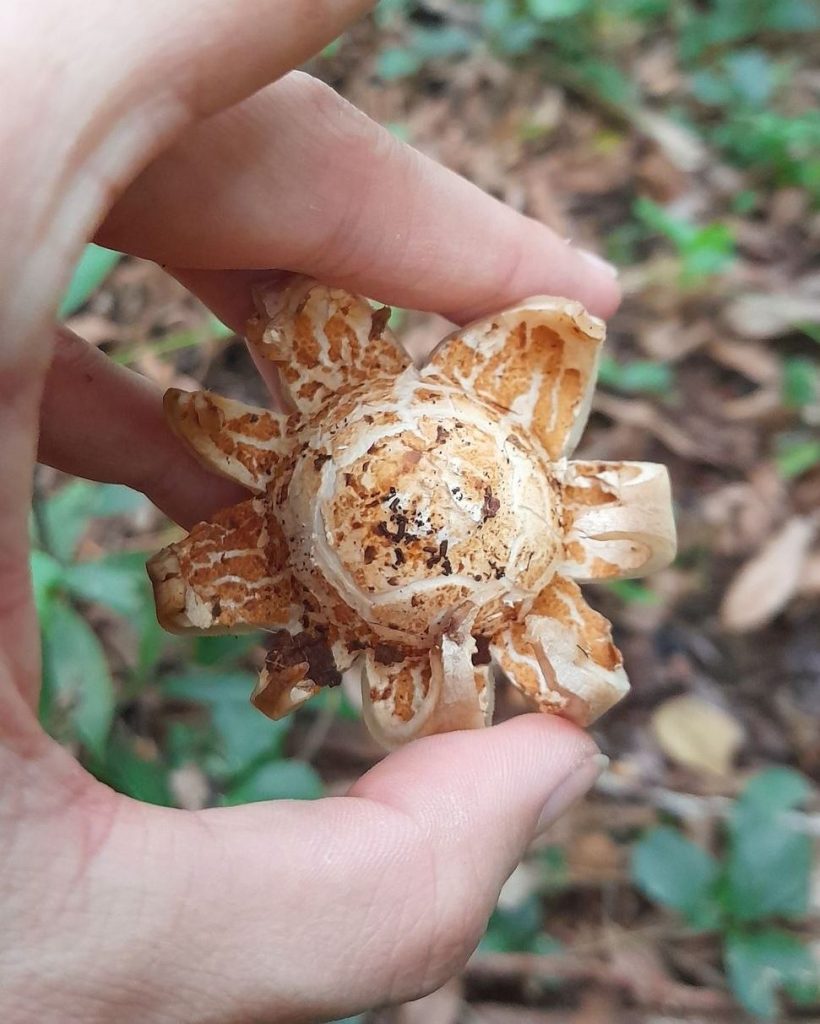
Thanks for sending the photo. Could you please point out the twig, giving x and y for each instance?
(647, 988)
(692, 807)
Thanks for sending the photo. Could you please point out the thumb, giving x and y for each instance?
(309, 911)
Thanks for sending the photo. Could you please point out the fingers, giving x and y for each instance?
(297, 178)
(145, 73)
(313, 911)
(103, 422)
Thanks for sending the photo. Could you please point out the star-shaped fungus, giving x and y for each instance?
(419, 525)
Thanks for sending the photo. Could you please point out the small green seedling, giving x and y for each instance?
(753, 896)
(702, 251)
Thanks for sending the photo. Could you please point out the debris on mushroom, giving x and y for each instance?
(423, 527)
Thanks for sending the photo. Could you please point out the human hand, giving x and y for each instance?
(166, 139)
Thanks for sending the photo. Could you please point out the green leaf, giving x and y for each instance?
(801, 382)
(745, 202)
(793, 16)
(332, 48)
(277, 780)
(441, 43)
(95, 265)
(79, 679)
(244, 735)
(186, 742)
(497, 15)
(656, 218)
(212, 330)
(633, 592)
(671, 870)
(775, 790)
(210, 687)
(67, 513)
(796, 457)
(751, 75)
(555, 10)
(46, 574)
(397, 63)
(126, 771)
(152, 640)
(214, 650)
(710, 88)
(760, 964)
(709, 251)
(509, 34)
(607, 80)
(115, 500)
(390, 9)
(247, 736)
(768, 864)
(514, 929)
(65, 518)
(639, 376)
(118, 581)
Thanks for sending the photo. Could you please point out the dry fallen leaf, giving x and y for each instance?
(755, 362)
(766, 583)
(810, 575)
(189, 787)
(697, 735)
(672, 340)
(768, 315)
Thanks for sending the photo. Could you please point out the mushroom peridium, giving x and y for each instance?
(420, 525)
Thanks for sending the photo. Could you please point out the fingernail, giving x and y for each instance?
(573, 787)
(599, 262)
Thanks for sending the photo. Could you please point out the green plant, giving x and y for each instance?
(749, 896)
(78, 694)
(637, 376)
(518, 929)
(208, 719)
(241, 751)
(796, 454)
(633, 592)
(709, 27)
(94, 266)
(702, 251)
(732, 93)
(801, 382)
(517, 924)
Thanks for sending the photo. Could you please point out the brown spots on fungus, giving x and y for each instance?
(307, 653)
(481, 654)
(388, 654)
(489, 510)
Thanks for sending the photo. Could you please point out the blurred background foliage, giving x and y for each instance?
(682, 139)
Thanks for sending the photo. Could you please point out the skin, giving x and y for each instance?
(163, 136)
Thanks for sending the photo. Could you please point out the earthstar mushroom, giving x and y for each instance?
(420, 526)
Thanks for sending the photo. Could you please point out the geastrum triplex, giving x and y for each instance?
(421, 526)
